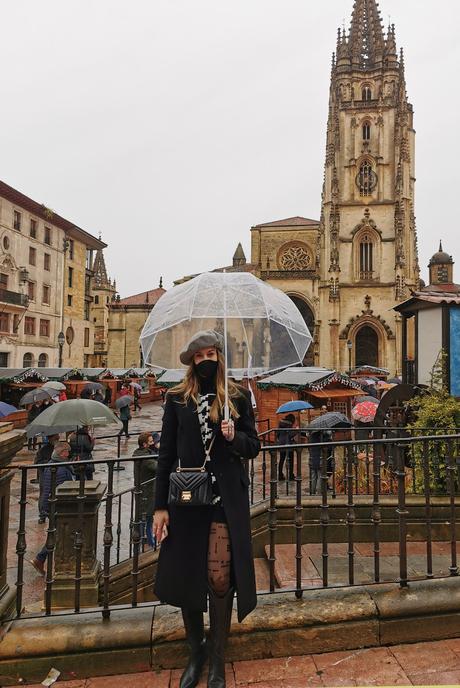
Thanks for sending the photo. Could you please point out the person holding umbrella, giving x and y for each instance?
(206, 548)
(123, 405)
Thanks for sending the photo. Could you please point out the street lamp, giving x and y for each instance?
(61, 342)
(349, 347)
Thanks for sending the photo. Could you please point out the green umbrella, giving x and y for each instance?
(71, 415)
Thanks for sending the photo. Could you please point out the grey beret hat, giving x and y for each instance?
(200, 340)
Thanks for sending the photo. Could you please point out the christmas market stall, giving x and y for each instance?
(15, 382)
(324, 389)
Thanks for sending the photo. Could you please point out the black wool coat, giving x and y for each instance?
(182, 568)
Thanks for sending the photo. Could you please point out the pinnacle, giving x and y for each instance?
(366, 38)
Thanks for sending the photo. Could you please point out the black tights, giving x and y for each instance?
(219, 559)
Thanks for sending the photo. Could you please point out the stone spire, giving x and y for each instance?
(101, 278)
(366, 40)
(238, 257)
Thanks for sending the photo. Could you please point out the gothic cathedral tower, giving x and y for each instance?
(367, 243)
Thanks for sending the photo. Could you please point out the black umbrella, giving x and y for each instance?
(93, 387)
(37, 394)
(126, 400)
(329, 421)
(368, 398)
(394, 381)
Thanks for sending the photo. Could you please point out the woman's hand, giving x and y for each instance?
(228, 429)
(160, 525)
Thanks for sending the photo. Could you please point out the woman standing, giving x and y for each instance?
(206, 550)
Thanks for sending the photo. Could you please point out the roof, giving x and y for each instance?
(22, 374)
(296, 221)
(307, 378)
(441, 257)
(444, 288)
(55, 373)
(145, 298)
(370, 369)
(425, 299)
(40, 210)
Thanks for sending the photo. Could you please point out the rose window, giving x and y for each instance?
(295, 257)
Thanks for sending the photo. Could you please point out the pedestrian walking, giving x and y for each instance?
(148, 470)
(108, 396)
(43, 456)
(137, 406)
(60, 454)
(125, 417)
(32, 413)
(82, 445)
(205, 539)
(285, 436)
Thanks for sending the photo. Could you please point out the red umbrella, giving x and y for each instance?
(364, 411)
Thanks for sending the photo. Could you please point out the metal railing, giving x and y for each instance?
(393, 473)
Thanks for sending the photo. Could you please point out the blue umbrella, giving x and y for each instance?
(294, 406)
(6, 409)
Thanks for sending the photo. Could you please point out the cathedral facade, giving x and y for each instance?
(347, 271)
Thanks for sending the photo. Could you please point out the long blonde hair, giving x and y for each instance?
(189, 388)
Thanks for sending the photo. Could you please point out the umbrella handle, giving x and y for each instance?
(226, 408)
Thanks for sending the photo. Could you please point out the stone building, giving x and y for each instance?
(103, 292)
(431, 326)
(348, 270)
(126, 319)
(45, 285)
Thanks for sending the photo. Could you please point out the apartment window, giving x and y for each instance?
(47, 236)
(42, 361)
(17, 220)
(16, 322)
(29, 325)
(47, 261)
(33, 228)
(32, 256)
(69, 299)
(86, 310)
(71, 248)
(44, 328)
(4, 322)
(4, 357)
(96, 300)
(3, 281)
(27, 360)
(31, 291)
(46, 294)
(86, 337)
(70, 278)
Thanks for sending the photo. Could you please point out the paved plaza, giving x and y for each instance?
(420, 664)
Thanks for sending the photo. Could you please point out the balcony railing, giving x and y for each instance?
(13, 298)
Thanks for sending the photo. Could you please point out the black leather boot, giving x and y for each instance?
(220, 616)
(194, 630)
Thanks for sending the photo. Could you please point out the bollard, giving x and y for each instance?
(71, 520)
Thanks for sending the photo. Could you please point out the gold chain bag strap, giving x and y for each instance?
(191, 486)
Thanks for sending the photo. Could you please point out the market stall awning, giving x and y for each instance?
(307, 379)
(333, 393)
(56, 374)
(18, 375)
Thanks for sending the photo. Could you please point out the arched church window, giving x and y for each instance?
(27, 360)
(366, 131)
(366, 257)
(366, 179)
(42, 361)
(367, 93)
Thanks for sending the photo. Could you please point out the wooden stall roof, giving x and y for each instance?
(307, 379)
(22, 374)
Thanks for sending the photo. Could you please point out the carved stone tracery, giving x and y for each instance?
(296, 255)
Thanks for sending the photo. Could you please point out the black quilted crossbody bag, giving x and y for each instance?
(191, 486)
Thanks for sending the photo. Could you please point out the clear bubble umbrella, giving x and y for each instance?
(262, 328)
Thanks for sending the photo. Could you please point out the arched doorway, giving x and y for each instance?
(309, 318)
(367, 347)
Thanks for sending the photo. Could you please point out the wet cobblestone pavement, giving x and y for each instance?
(149, 418)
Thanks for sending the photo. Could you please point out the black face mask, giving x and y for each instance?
(206, 369)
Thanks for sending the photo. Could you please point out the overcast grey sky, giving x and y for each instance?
(172, 126)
